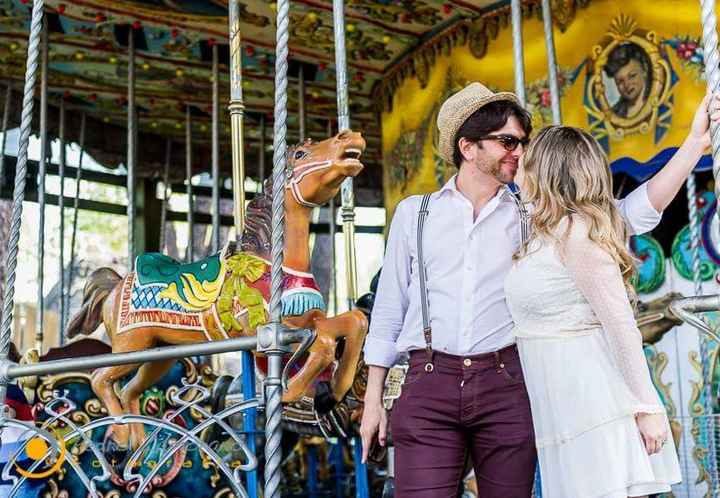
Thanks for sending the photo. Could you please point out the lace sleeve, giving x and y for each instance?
(599, 279)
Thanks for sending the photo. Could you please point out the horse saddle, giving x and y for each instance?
(193, 286)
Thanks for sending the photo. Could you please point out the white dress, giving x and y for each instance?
(585, 372)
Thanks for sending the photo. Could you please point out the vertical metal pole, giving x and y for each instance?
(301, 102)
(712, 75)
(519, 61)
(273, 388)
(76, 206)
(166, 194)
(333, 231)
(131, 149)
(215, 152)
(552, 63)
(237, 109)
(189, 175)
(42, 167)
(346, 191)
(61, 209)
(19, 194)
(261, 165)
(5, 124)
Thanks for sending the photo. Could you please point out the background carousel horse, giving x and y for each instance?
(226, 295)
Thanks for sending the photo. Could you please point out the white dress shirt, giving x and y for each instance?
(466, 262)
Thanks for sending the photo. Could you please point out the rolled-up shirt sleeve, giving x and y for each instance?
(638, 211)
(391, 299)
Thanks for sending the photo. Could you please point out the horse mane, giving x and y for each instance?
(256, 237)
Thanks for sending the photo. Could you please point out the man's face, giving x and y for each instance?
(493, 159)
(630, 80)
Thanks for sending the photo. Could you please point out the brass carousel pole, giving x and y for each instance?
(237, 110)
(519, 61)
(40, 322)
(189, 175)
(215, 151)
(346, 192)
(131, 148)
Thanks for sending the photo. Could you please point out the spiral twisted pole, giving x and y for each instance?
(31, 70)
(712, 75)
(42, 167)
(273, 387)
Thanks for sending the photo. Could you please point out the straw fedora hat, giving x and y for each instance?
(460, 106)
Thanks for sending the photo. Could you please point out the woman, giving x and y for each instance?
(600, 428)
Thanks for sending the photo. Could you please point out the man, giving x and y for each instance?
(629, 65)
(464, 391)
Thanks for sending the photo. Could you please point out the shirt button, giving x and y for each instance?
(467, 362)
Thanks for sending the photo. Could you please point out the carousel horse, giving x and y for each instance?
(656, 318)
(226, 295)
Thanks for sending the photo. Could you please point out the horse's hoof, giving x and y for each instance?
(116, 455)
(324, 401)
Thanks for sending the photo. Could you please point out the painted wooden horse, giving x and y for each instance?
(226, 295)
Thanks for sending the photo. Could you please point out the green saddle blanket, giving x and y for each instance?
(194, 286)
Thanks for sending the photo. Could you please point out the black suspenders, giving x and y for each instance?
(424, 302)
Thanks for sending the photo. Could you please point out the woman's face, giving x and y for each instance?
(520, 175)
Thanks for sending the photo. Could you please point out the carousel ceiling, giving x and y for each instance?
(174, 39)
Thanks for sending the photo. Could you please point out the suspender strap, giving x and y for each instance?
(427, 330)
(524, 217)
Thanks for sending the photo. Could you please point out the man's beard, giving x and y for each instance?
(494, 169)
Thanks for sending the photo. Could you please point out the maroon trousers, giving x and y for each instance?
(468, 404)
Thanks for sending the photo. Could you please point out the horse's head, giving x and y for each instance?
(316, 169)
(655, 319)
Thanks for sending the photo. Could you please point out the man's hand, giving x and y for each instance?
(374, 421)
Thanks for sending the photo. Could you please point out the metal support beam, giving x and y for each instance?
(167, 192)
(346, 190)
(261, 159)
(61, 210)
(131, 148)
(215, 151)
(76, 205)
(188, 174)
(40, 317)
(518, 59)
(5, 124)
(301, 103)
(552, 63)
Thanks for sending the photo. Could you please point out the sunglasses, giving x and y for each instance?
(509, 142)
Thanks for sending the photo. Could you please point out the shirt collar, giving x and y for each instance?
(503, 193)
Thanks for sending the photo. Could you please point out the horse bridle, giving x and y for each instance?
(295, 176)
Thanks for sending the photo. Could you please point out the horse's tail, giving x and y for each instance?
(98, 287)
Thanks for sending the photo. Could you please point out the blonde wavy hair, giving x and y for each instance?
(567, 173)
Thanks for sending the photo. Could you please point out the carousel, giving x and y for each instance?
(217, 352)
